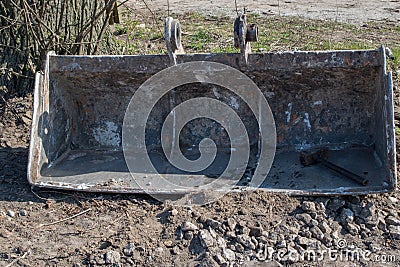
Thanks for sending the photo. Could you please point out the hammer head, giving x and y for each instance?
(311, 157)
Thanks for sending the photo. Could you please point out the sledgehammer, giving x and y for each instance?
(308, 158)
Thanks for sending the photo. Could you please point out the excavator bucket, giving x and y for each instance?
(341, 101)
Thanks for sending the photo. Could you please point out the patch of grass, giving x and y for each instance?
(199, 40)
(224, 49)
(396, 54)
(397, 130)
(203, 33)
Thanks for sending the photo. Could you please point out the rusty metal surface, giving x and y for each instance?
(340, 99)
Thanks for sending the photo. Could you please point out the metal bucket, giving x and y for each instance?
(339, 100)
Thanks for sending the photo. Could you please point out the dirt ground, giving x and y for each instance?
(348, 11)
(39, 227)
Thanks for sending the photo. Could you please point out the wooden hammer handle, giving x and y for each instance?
(344, 172)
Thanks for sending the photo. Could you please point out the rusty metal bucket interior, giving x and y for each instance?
(339, 100)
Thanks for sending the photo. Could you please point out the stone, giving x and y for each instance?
(308, 206)
(316, 232)
(231, 224)
(230, 234)
(179, 234)
(271, 235)
(244, 230)
(327, 241)
(188, 235)
(254, 241)
(5, 233)
(175, 250)
(335, 235)
(346, 216)
(280, 244)
(368, 211)
(159, 251)
(394, 231)
(23, 213)
(306, 234)
(322, 206)
(10, 213)
(213, 223)
(173, 212)
(373, 247)
(364, 235)
(313, 223)
(381, 224)
(303, 241)
(128, 250)
(391, 220)
(208, 262)
(229, 254)
(256, 231)
(206, 239)
(304, 217)
(219, 259)
(335, 204)
(195, 214)
(169, 243)
(221, 243)
(292, 230)
(239, 248)
(292, 255)
(212, 232)
(353, 228)
(112, 257)
(100, 260)
(245, 240)
(325, 228)
(188, 226)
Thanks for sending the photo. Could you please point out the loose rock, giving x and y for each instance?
(229, 254)
(188, 226)
(256, 231)
(112, 257)
(316, 232)
(219, 259)
(346, 216)
(335, 204)
(169, 243)
(175, 250)
(230, 234)
(308, 206)
(10, 213)
(173, 212)
(394, 231)
(391, 220)
(188, 235)
(206, 239)
(325, 228)
(353, 228)
(245, 240)
(303, 241)
(306, 218)
(231, 224)
(213, 223)
(128, 250)
(23, 213)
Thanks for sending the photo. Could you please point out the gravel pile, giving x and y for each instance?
(325, 224)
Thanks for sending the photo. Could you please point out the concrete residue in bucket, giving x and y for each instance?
(107, 134)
